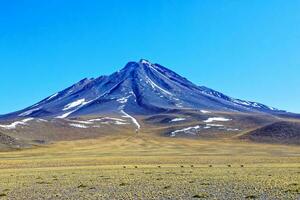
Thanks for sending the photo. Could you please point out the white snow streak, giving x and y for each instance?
(132, 118)
(65, 115)
(173, 134)
(153, 85)
(78, 125)
(75, 104)
(120, 123)
(153, 68)
(109, 118)
(232, 129)
(212, 119)
(205, 111)
(241, 102)
(178, 119)
(115, 119)
(81, 122)
(52, 96)
(15, 124)
(215, 125)
(41, 120)
(145, 62)
(28, 112)
(123, 99)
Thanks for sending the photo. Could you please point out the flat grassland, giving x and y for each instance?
(151, 167)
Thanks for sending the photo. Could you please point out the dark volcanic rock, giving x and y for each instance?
(278, 132)
(7, 140)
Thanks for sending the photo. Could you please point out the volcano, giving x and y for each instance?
(142, 96)
(140, 88)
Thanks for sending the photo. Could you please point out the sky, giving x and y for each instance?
(246, 49)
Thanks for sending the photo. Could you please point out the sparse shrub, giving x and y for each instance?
(293, 184)
(251, 197)
(201, 196)
(124, 167)
(182, 166)
(123, 184)
(3, 195)
(210, 166)
(228, 165)
(296, 191)
(205, 183)
(42, 182)
(81, 186)
(136, 167)
(192, 166)
(167, 187)
(159, 166)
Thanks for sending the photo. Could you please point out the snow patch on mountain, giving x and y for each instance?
(126, 115)
(154, 85)
(120, 123)
(81, 122)
(75, 104)
(178, 119)
(51, 97)
(232, 129)
(212, 119)
(65, 115)
(241, 102)
(123, 99)
(41, 120)
(106, 119)
(16, 123)
(215, 125)
(29, 112)
(78, 125)
(272, 108)
(205, 111)
(189, 130)
(143, 61)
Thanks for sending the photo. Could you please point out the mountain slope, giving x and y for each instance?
(141, 98)
(278, 132)
(140, 88)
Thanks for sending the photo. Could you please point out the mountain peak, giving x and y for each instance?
(144, 61)
(140, 65)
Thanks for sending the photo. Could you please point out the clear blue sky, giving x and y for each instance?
(246, 49)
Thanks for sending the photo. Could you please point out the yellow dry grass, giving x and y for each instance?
(150, 167)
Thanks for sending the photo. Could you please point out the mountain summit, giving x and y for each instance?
(140, 88)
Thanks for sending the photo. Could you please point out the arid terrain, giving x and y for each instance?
(143, 166)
